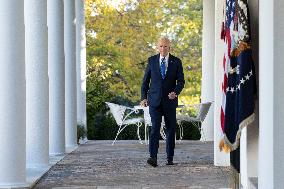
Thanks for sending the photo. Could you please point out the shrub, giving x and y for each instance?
(190, 132)
(81, 132)
(102, 126)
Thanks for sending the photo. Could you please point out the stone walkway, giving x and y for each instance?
(99, 165)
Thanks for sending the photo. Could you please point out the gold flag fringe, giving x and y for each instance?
(226, 146)
(242, 46)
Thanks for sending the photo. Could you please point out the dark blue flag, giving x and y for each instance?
(239, 86)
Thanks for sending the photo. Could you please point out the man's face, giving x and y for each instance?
(164, 47)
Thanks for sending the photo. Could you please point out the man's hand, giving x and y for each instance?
(144, 103)
(172, 95)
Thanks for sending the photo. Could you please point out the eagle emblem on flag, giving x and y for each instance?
(239, 83)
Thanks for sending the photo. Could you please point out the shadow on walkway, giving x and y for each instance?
(99, 165)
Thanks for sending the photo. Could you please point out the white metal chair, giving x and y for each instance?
(123, 120)
(201, 112)
(148, 123)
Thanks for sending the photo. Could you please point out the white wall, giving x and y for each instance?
(271, 90)
(12, 94)
(278, 93)
(207, 86)
(249, 139)
(81, 62)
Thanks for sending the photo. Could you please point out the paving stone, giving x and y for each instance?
(99, 165)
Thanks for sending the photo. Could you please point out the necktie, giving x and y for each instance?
(163, 68)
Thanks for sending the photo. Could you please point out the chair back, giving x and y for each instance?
(203, 110)
(117, 112)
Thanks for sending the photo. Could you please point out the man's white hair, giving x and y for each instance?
(164, 39)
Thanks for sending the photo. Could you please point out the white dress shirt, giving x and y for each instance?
(166, 61)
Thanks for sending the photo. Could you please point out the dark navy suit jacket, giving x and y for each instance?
(156, 89)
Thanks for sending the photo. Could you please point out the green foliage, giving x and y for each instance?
(106, 129)
(81, 132)
(97, 94)
(121, 35)
(121, 38)
(101, 124)
(190, 132)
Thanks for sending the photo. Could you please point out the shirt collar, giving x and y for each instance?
(166, 58)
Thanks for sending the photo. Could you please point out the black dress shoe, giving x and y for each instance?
(152, 162)
(170, 162)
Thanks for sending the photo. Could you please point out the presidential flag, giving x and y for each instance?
(238, 86)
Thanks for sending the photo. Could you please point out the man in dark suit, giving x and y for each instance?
(162, 83)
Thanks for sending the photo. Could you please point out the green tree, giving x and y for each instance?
(121, 35)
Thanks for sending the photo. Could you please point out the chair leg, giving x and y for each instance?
(138, 133)
(202, 131)
(148, 134)
(118, 132)
(180, 132)
(196, 124)
(116, 135)
(162, 129)
(162, 132)
(145, 134)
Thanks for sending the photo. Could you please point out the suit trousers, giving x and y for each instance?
(156, 114)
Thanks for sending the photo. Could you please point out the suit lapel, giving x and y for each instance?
(158, 65)
(170, 62)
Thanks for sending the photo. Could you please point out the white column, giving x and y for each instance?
(81, 63)
(207, 87)
(271, 92)
(244, 158)
(249, 137)
(12, 94)
(70, 75)
(56, 72)
(37, 83)
(220, 158)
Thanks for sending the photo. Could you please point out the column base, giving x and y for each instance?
(204, 139)
(37, 166)
(56, 154)
(35, 173)
(14, 186)
(71, 148)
